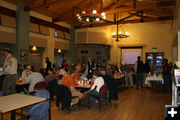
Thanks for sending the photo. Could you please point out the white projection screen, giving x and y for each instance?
(129, 56)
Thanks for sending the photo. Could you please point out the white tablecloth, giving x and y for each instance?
(154, 78)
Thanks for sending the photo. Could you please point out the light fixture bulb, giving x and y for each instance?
(59, 50)
(104, 17)
(103, 14)
(94, 12)
(113, 33)
(83, 12)
(34, 48)
(97, 19)
(77, 15)
(126, 33)
(79, 18)
(87, 19)
(120, 33)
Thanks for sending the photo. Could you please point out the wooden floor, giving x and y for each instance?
(133, 104)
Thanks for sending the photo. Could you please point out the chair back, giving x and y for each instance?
(1, 93)
(63, 95)
(103, 89)
(40, 85)
(52, 87)
(40, 110)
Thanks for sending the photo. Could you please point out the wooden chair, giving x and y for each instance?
(102, 94)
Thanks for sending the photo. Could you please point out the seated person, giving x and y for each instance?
(77, 75)
(50, 76)
(34, 78)
(69, 82)
(83, 73)
(26, 73)
(98, 83)
(107, 78)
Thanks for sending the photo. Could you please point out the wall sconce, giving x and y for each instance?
(59, 50)
(34, 48)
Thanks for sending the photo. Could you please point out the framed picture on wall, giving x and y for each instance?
(24, 55)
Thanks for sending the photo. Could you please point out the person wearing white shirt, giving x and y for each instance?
(34, 78)
(26, 73)
(98, 83)
(10, 71)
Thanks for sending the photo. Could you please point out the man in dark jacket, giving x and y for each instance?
(166, 74)
(139, 69)
(112, 87)
(48, 65)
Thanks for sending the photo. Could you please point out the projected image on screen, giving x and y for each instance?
(130, 57)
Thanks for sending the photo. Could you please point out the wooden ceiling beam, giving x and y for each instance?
(8, 12)
(114, 5)
(139, 15)
(129, 16)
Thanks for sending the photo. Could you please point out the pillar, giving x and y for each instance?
(49, 51)
(22, 35)
(71, 51)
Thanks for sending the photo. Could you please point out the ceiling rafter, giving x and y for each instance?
(114, 5)
(129, 16)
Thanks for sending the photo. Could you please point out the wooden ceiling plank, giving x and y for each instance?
(101, 4)
(61, 16)
(134, 4)
(41, 5)
(138, 8)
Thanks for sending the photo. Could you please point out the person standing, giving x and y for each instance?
(10, 72)
(128, 75)
(146, 69)
(48, 65)
(166, 74)
(139, 69)
(91, 68)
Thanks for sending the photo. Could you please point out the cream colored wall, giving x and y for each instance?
(151, 34)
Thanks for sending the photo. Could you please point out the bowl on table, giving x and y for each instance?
(19, 81)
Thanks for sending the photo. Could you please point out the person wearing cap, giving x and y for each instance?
(26, 73)
(10, 72)
(107, 78)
